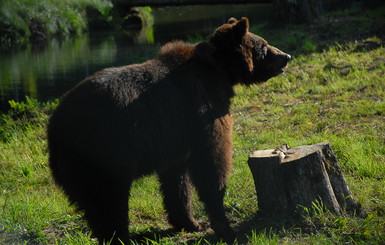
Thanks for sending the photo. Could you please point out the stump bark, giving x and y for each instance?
(286, 178)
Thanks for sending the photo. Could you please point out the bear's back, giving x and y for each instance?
(150, 105)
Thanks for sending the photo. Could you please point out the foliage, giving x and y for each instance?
(24, 115)
(31, 107)
(25, 20)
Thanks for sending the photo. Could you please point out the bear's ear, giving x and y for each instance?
(232, 20)
(241, 28)
(231, 33)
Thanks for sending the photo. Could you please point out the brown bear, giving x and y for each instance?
(169, 115)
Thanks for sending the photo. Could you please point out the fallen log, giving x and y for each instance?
(286, 178)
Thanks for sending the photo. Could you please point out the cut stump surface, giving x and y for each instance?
(286, 178)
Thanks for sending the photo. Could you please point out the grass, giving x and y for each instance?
(331, 92)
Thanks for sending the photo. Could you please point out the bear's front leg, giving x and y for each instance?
(209, 171)
(211, 191)
(176, 188)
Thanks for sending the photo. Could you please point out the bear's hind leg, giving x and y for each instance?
(176, 188)
(106, 211)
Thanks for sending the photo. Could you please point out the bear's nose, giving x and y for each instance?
(288, 57)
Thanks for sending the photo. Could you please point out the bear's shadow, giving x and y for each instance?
(258, 223)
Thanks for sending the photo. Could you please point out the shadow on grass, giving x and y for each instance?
(158, 236)
(153, 236)
(258, 223)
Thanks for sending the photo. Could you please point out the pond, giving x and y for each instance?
(47, 71)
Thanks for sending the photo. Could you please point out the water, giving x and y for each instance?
(48, 72)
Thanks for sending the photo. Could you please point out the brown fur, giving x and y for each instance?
(169, 115)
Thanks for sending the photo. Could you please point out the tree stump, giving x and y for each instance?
(288, 177)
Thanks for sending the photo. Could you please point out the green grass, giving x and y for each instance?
(334, 94)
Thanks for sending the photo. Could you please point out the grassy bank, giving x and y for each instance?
(24, 20)
(332, 92)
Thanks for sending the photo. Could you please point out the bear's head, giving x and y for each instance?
(248, 57)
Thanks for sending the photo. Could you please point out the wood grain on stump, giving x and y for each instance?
(285, 178)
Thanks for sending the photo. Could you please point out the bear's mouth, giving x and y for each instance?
(285, 68)
(276, 71)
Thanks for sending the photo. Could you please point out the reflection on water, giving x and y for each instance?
(49, 72)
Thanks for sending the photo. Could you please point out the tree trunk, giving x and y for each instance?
(295, 11)
(285, 179)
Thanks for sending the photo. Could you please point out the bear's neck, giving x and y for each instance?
(206, 71)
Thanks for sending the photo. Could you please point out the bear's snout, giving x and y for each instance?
(278, 60)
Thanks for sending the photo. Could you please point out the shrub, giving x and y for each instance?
(25, 20)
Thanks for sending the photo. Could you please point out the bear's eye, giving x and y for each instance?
(249, 43)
